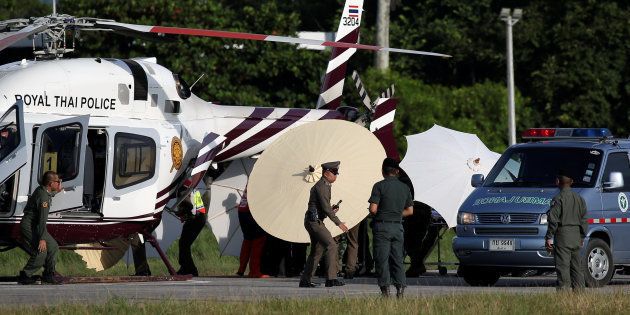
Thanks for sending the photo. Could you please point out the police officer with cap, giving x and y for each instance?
(566, 223)
(390, 201)
(319, 208)
(41, 247)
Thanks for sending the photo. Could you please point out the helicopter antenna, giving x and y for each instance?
(193, 85)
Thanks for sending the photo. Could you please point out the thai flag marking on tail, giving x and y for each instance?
(354, 11)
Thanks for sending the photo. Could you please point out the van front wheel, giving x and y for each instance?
(598, 264)
(478, 276)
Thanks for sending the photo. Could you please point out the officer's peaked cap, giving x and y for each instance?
(331, 165)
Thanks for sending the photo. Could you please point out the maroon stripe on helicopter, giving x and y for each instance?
(277, 126)
(385, 107)
(333, 114)
(351, 37)
(252, 120)
(211, 153)
(208, 138)
(171, 185)
(164, 201)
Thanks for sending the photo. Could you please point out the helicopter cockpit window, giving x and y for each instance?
(60, 151)
(9, 134)
(134, 159)
(183, 89)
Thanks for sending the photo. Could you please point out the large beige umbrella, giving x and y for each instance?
(440, 163)
(225, 194)
(280, 182)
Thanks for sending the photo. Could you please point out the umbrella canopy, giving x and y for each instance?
(226, 192)
(440, 163)
(278, 189)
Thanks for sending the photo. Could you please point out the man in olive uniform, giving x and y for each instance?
(41, 247)
(319, 208)
(566, 223)
(390, 201)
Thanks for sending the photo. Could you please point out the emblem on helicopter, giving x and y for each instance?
(177, 153)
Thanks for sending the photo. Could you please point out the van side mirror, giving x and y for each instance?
(477, 180)
(615, 181)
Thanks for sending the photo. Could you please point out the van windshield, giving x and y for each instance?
(537, 167)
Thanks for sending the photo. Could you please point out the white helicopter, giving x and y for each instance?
(124, 134)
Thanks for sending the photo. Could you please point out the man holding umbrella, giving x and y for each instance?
(390, 201)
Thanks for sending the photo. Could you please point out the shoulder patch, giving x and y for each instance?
(44, 204)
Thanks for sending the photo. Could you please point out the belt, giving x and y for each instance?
(387, 221)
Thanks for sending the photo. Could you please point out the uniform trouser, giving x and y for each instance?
(321, 240)
(139, 252)
(352, 251)
(190, 231)
(416, 227)
(567, 257)
(38, 259)
(388, 253)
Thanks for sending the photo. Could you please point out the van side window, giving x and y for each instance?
(60, 151)
(134, 159)
(618, 162)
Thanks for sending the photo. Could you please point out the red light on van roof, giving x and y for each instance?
(539, 133)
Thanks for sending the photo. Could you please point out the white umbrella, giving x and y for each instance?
(225, 195)
(440, 163)
(278, 190)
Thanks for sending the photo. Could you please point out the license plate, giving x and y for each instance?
(502, 244)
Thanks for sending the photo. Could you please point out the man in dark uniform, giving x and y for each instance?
(41, 247)
(319, 208)
(566, 223)
(193, 212)
(390, 201)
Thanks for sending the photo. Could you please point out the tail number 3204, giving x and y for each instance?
(350, 21)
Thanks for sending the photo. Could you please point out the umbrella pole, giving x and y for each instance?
(151, 239)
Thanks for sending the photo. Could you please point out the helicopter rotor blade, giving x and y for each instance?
(9, 38)
(116, 26)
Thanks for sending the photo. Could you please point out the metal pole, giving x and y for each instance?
(510, 83)
(382, 34)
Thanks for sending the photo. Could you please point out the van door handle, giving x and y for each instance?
(72, 188)
(116, 198)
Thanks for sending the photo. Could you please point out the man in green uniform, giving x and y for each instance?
(566, 222)
(319, 208)
(41, 247)
(389, 203)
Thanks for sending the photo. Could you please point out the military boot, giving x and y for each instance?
(26, 280)
(400, 291)
(385, 291)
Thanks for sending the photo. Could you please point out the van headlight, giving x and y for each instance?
(543, 218)
(465, 218)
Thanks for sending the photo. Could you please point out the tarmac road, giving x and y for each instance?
(245, 289)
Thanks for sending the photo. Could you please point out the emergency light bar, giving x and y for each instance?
(566, 133)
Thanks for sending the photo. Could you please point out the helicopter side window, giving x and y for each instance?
(60, 151)
(9, 134)
(123, 94)
(183, 89)
(134, 159)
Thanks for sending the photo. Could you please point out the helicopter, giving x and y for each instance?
(124, 134)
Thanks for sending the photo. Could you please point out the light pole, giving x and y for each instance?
(510, 17)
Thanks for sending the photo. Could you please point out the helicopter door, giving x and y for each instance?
(132, 168)
(60, 147)
(13, 155)
(12, 141)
